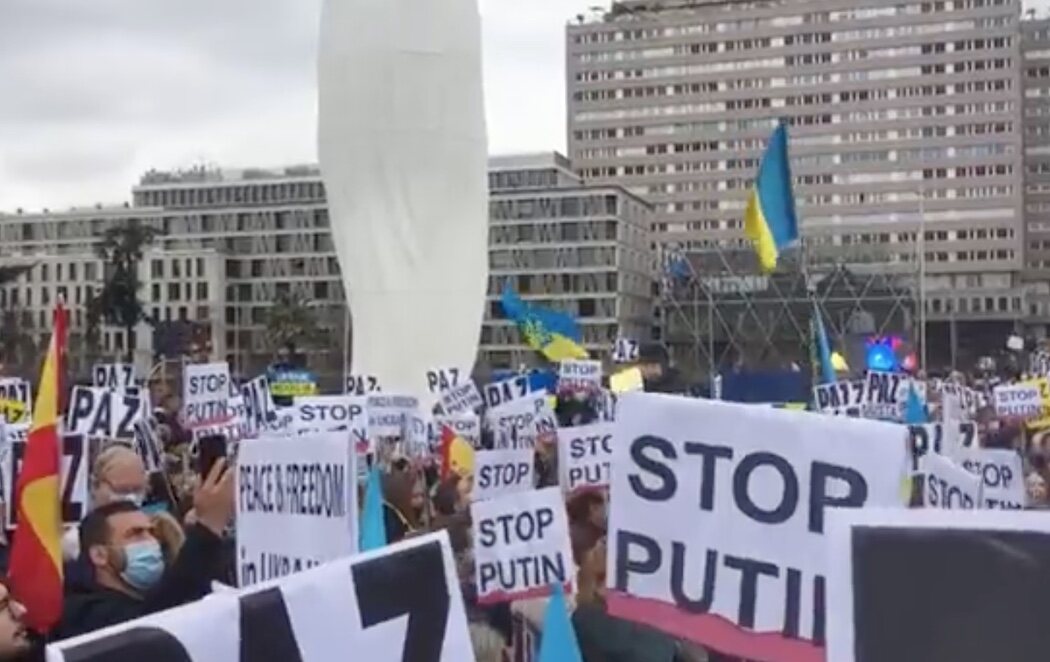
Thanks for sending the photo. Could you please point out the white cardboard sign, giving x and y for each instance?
(580, 375)
(114, 376)
(501, 472)
(467, 426)
(296, 505)
(1020, 400)
(388, 414)
(585, 456)
(842, 398)
(17, 390)
(99, 412)
(462, 398)
(521, 546)
(361, 385)
(206, 391)
(708, 493)
(947, 485)
(332, 412)
(523, 420)
(355, 604)
(505, 392)
(1002, 474)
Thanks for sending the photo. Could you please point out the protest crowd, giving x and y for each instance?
(162, 506)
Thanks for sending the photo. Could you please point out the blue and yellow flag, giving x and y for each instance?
(827, 368)
(551, 332)
(769, 220)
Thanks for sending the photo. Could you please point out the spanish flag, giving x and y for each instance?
(35, 571)
(456, 453)
(769, 220)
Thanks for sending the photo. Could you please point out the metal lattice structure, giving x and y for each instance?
(719, 311)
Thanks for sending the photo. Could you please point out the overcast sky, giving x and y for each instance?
(94, 92)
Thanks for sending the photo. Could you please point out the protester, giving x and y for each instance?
(403, 501)
(116, 475)
(129, 574)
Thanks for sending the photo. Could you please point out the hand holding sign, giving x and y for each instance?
(214, 500)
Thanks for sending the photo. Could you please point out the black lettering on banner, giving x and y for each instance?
(266, 629)
(381, 596)
(134, 645)
(668, 481)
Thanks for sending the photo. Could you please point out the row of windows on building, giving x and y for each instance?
(651, 51)
(716, 25)
(968, 305)
(230, 195)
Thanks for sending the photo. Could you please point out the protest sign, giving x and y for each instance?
(947, 485)
(585, 456)
(523, 421)
(259, 408)
(332, 412)
(521, 546)
(444, 379)
(464, 397)
(402, 602)
(16, 400)
(74, 477)
(701, 487)
(387, 414)
(113, 376)
(99, 412)
(505, 392)
(234, 425)
(884, 395)
(501, 472)
(580, 375)
(148, 447)
(206, 390)
(466, 426)
(1018, 400)
(842, 398)
(306, 492)
(291, 383)
(361, 385)
(1002, 474)
(937, 585)
(626, 350)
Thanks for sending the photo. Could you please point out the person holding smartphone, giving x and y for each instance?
(129, 575)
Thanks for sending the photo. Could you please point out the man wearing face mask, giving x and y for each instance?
(130, 579)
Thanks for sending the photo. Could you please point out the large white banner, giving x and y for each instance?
(205, 391)
(403, 151)
(521, 546)
(585, 456)
(399, 603)
(717, 523)
(296, 505)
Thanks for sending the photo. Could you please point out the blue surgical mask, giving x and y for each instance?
(143, 564)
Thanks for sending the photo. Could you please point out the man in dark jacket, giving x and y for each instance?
(129, 575)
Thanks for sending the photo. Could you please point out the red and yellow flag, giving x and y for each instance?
(35, 571)
(456, 453)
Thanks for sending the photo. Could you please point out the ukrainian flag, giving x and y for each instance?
(553, 333)
(769, 221)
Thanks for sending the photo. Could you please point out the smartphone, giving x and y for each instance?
(209, 449)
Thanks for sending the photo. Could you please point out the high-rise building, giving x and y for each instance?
(231, 243)
(906, 132)
(1035, 53)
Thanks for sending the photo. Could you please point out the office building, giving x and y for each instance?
(906, 127)
(1035, 52)
(585, 250)
(230, 243)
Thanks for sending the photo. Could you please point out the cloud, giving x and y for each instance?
(96, 92)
